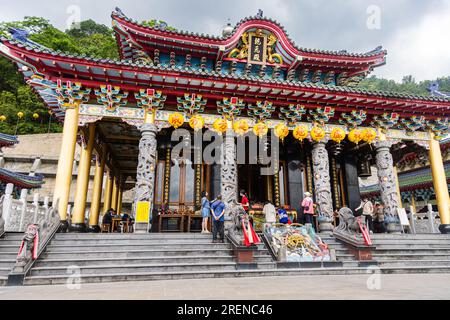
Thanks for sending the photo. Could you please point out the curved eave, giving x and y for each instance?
(7, 140)
(202, 42)
(33, 58)
(21, 180)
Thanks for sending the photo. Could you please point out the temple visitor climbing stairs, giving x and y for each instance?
(9, 247)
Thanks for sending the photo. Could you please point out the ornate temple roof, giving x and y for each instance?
(215, 41)
(7, 140)
(218, 77)
(21, 180)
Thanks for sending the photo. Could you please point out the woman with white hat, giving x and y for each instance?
(308, 208)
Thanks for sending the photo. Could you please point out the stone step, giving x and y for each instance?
(143, 268)
(100, 253)
(422, 246)
(394, 257)
(153, 276)
(9, 248)
(411, 242)
(378, 236)
(112, 242)
(4, 271)
(6, 263)
(12, 236)
(132, 235)
(415, 263)
(407, 251)
(132, 261)
(119, 247)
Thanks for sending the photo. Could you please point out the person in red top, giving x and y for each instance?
(245, 203)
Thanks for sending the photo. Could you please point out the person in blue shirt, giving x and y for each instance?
(206, 212)
(218, 219)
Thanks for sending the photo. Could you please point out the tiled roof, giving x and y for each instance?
(375, 52)
(21, 180)
(212, 73)
(7, 140)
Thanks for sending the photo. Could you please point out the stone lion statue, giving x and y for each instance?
(348, 223)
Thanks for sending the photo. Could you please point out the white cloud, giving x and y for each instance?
(422, 50)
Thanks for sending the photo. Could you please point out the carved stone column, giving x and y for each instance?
(322, 186)
(229, 179)
(388, 184)
(145, 179)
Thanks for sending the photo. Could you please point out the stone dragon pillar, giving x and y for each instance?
(388, 184)
(229, 179)
(145, 180)
(322, 186)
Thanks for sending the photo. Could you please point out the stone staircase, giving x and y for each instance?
(9, 247)
(421, 253)
(96, 258)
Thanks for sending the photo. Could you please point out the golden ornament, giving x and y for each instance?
(281, 131)
(197, 122)
(300, 132)
(176, 120)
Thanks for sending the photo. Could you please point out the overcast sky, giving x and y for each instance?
(415, 32)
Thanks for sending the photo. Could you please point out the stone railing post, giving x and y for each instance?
(145, 184)
(35, 207)
(322, 184)
(388, 184)
(23, 209)
(412, 219)
(7, 204)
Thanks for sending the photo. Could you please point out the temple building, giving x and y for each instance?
(252, 81)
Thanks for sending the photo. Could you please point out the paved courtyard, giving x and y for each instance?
(390, 287)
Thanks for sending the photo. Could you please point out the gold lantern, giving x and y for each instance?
(197, 122)
(281, 131)
(241, 127)
(176, 120)
(318, 134)
(355, 136)
(338, 135)
(300, 132)
(260, 129)
(220, 125)
(369, 135)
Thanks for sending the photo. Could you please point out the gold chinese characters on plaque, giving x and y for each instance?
(257, 48)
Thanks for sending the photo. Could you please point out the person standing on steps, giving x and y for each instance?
(308, 208)
(245, 203)
(367, 211)
(206, 212)
(270, 214)
(218, 219)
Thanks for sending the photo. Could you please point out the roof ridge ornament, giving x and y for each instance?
(260, 14)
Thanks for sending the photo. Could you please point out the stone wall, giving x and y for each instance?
(21, 158)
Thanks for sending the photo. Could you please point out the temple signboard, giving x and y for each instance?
(257, 49)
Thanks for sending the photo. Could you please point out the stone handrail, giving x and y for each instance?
(424, 223)
(48, 222)
(2, 221)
